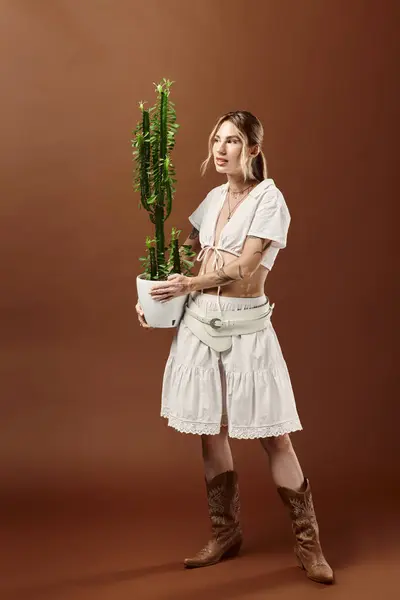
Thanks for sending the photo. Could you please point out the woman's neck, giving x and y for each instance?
(237, 182)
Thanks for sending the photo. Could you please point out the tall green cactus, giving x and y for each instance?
(154, 176)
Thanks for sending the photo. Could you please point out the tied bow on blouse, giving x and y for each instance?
(218, 263)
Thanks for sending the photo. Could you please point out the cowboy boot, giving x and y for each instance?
(305, 528)
(223, 509)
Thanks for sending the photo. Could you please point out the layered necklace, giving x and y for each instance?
(235, 195)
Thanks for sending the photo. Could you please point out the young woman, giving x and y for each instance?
(226, 375)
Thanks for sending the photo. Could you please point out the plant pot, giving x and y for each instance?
(157, 314)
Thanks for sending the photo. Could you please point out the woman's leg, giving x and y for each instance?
(295, 492)
(284, 464)
(223, 502)
(217, 455)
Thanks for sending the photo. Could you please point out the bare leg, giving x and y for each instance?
(223, 502)
(285, 467)
(295, 492)
(217, 454)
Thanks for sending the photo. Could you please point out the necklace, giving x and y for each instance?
(236, 194)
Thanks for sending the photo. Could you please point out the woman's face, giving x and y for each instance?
(227, 148)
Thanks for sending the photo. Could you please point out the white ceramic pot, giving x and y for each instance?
(157, 314)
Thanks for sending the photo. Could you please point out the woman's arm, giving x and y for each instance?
(242, 268)
(193, 240)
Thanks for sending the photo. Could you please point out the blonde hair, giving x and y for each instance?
(251, 133)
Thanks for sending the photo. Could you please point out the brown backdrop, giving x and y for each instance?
(80, 385)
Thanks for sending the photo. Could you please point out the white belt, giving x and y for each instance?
(216, 329)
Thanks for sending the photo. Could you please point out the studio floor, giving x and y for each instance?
(74, 552)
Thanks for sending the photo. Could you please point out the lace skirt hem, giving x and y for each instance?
(249, 433)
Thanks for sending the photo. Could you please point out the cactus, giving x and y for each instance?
(154, 177)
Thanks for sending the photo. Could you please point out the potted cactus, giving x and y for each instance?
(154, 178)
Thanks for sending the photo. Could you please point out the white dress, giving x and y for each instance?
(246, 388)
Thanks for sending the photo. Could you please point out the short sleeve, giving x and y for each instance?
(272, 219)
(197, 216)
(271, 222)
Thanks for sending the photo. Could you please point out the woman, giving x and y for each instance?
(226, 375)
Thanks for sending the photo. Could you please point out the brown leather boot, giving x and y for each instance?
(224, 509)
(305, 528)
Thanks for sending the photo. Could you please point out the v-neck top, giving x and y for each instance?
(263, 213)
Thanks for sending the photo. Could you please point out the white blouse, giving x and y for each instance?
(263, 213)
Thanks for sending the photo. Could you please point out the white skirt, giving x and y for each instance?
(246, 388)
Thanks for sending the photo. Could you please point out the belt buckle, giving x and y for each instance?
(216, 323)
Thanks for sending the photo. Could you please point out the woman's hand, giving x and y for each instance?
(141, 318)
(176, 285)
